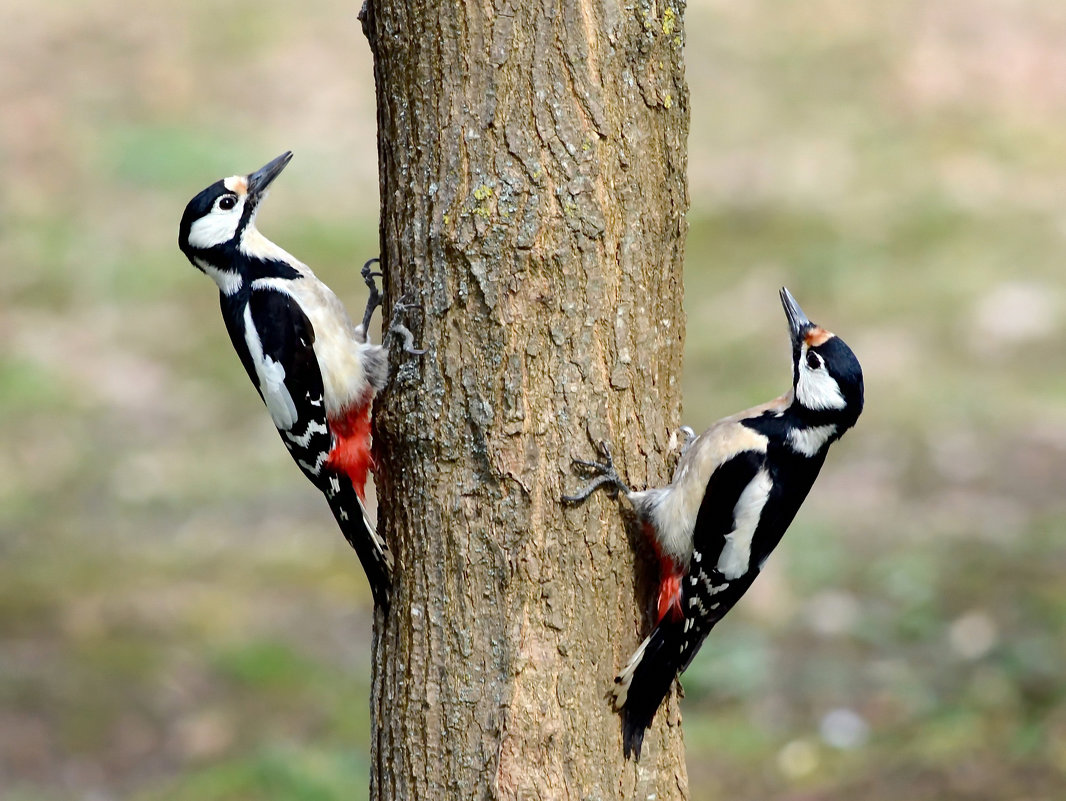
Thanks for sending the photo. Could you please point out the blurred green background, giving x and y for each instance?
(179, 619)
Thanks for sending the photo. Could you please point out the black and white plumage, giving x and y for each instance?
(735, 490)
(315, 370)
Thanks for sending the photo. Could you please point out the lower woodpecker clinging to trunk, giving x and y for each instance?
(734, 492)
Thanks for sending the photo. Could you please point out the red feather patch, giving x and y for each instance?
(351, 447)
(670, 590)
(670, 575)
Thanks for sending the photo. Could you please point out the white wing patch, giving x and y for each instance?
(809, 441)
(735, 558)
(271, 377)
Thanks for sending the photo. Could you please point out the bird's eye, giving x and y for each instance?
(814, 361)
(227, 202)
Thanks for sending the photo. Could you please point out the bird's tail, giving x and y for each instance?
(362, 535)
(646, 680)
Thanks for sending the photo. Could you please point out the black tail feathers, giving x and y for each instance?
(362, 535)
(643, 684)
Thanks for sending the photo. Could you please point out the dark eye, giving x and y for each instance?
(227, 202)
(814, 361)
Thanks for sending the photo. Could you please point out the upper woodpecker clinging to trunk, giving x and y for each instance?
(315, 370)
(735, 491)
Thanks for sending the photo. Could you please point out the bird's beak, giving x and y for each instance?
(798, 323)
(259, 180)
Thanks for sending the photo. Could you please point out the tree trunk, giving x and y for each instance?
(533, 187)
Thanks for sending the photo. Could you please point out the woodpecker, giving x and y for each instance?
(735, 491)
(315, 370)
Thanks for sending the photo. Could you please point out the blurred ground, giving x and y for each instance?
(173, 628)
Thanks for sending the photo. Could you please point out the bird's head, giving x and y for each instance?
(217, 221)
(826, 376)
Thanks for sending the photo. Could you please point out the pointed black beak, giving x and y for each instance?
(798, 323)
(259, 180)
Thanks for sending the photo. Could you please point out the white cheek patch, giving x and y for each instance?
(216, 228)
(816, 389)
(271, 376)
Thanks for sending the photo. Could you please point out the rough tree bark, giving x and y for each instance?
(533, 187)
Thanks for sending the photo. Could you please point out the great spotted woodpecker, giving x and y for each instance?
(315, 370)
(735, 491)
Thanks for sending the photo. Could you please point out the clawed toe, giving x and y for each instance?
(369, 275)
(606, 475)
(404, 304)
(598, 467)
(374, 299)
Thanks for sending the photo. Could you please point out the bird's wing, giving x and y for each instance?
(721, 569)
(279, 356)
(728, 498)
(280, 342)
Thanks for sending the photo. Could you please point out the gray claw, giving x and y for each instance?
(366, 272)
(374, 300)
(608, 475)
(401, 330)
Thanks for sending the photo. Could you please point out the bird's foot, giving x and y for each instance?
(606, 475)
(397, 327)
(374, 300)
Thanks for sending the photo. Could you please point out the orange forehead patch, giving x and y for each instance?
(817, 336)
(237, 183)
